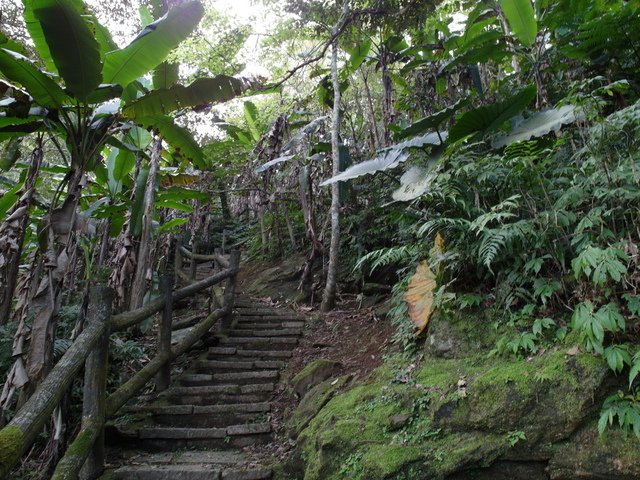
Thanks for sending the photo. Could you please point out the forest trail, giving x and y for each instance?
(204, 425)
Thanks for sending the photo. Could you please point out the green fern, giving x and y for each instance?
(388, 256)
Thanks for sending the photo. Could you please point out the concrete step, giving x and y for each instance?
(187, 472)
(272, 332)
(259, 343)
(268, 325)
(235, 378)
(242, 364)
(227, 353)
(204, 415)
(176, 438)
(267, 317)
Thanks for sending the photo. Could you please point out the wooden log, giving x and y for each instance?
(130, 388)
(125, 320)
(216, 257)
(69, 466)
(163, 378)
(16, 438)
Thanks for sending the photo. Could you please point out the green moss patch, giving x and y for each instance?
(11, 443)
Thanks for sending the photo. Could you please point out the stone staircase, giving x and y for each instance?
(220, 404)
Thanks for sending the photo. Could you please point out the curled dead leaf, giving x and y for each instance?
(419, 296)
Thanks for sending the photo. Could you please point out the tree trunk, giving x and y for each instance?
(13, 229)
(292, 236)
(329, 295)
(139, 285)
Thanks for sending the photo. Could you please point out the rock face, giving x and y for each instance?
(469, 416)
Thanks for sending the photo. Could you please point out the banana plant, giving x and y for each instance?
(86, 96)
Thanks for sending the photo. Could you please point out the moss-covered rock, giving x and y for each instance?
(593, 457)
(313, 374)
(461, 415)
(312, 402)
(11, 444)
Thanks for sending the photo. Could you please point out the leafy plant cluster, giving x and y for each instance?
(538, 211)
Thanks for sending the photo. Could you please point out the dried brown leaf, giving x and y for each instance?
(419, 296)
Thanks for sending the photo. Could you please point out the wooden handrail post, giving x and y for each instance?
(224, 239)
(194, 263)
(230, 289)
(163, 378)
(178, 258)
(95, 378)
(88, 447)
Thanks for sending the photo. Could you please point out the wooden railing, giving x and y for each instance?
(85, 455)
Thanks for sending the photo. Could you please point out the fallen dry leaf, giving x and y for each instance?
(419, 296)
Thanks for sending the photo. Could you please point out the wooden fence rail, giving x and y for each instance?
(90, 348)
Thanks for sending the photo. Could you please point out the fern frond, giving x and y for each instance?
(388, 256)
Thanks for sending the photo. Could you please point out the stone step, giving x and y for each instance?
(223, 398)
(176, 438)
(268, 325)
(204, 415)
(267, 318)
(235, 378)
(187, 472)
(225, 353)
(272, 332)
(241, 364)
(259, 343)
(199, 409)
(264, 312)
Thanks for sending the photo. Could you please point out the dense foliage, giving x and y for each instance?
(497, 140)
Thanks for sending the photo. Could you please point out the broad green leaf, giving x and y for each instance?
(8, 199)
(357, 55)
(388, 158)
(539, 124)
(384, 161)
(119, 164)
(486, 119)
(201, 91)
(150, 48)
(482, 54)
(104, 93)
(251, 117)
(10, 154)
(180, 193)
(172, 225)
(183, 207)
(521, 19)
(178, 137)
(72, 45)
(165, 75)
(12, 127)
(432, 121)
(41, 87)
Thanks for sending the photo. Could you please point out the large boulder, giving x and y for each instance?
(456, 416)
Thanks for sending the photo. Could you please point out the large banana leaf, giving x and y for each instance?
(203, 90)
(165, 75)
(179, 138)
(42, 88)
(251, 117)
(150, 48)
(72, 45)
(539, 124)
(486, 119)
(521, 19)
